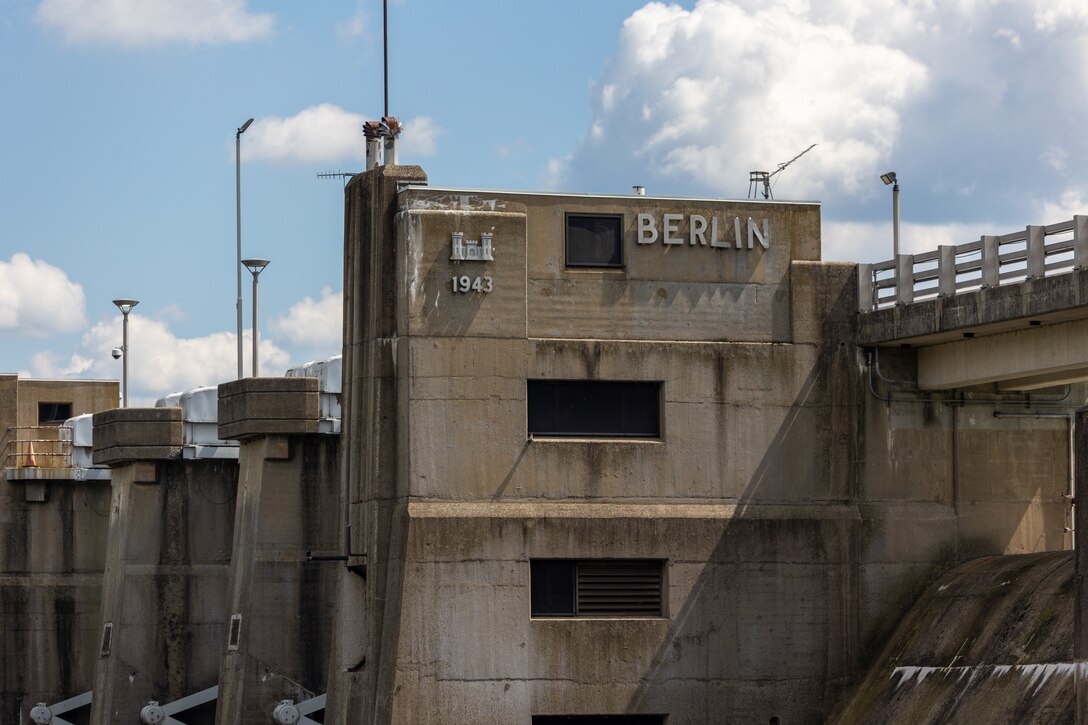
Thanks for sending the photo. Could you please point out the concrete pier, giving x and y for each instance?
(164, 614)
(284, 561)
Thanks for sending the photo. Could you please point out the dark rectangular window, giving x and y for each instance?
(595, 588)
(594, 408)
(53, 413)
(594, 240)
(598, 719)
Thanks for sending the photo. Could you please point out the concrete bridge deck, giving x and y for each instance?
(1010, 310)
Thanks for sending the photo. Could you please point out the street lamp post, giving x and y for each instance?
(889, 178)
(125, 306)
(255, 267)
(238, 228)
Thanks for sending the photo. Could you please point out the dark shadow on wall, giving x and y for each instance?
(774, 604)
(799, 595)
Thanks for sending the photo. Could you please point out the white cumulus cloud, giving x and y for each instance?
(712, 93)
(326, 132)
(354, 26)
(37, 298)
(420, 137)
(159, 362)
(139, 23)
(872, 241)
(314, 323)
(947, 94)
(1069, 203)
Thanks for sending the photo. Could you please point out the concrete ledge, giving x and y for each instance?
(269, 406)
(1060, 298)
(137, 434)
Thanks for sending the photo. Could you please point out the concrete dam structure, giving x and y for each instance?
(590, 459)
(991, 641)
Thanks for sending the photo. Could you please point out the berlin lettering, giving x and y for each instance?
(702, 231)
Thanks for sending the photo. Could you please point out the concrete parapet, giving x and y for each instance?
(994, 309)
(137, 434)
(269, 406)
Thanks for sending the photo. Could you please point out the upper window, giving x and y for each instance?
(53, 413)
(594, 240)
(595, 588)
(594, 408)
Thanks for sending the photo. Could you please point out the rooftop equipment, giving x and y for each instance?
(763, 178)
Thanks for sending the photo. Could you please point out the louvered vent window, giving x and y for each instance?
(596, 588)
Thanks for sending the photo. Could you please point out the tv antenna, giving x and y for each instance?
(345, 175)
(763, 178)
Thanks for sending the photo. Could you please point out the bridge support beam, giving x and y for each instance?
(1026, 359)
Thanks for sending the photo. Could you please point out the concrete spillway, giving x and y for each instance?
(990, 641)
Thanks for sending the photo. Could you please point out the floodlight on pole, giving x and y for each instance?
(238, 229)
(125, 306)
(890, 179)
(255, 267)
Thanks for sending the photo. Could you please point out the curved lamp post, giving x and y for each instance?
(888, 179)
(255, 267)
(238, 228)
(125, 306)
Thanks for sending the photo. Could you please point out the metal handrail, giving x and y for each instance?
(37, 446)
(1037, 251)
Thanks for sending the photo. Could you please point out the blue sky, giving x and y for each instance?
(118, 122)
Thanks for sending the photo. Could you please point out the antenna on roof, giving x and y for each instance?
(763, 178)
(345, 175)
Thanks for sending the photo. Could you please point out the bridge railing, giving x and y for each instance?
(1037, 251)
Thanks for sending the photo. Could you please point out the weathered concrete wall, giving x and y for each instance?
(664, 292)
(756, 622)
(799, 512)
(288, 493)
(86, 396)
(371, 494)
(52, 555)
(1080, 577)
(165, 584)
(780, 472)
(756, 449)
(991, 641)
(943, 482)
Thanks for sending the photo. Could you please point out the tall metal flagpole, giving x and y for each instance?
(385, 49)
